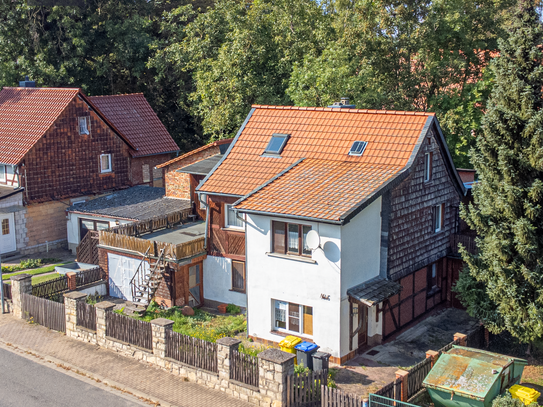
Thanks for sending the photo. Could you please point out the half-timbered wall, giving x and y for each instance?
(222, 242)
(413, 243)
(65, 164)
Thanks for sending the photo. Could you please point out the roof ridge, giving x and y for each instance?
(344, 110)
(192, 152)
(37, 88)
(119, 94)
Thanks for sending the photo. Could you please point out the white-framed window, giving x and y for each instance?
(438, 215)
(84, 125)
(231, 220)
(427, 167)
(3, 172)
(291, 317)
(105, 163)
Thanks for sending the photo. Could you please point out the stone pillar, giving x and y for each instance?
(159, 327)
(402, 375)
(72, 286)
(432, 354)
(70, 307)
(461, 338)
(225, 346)
(21, 284)
(274, 367)
(101, 309)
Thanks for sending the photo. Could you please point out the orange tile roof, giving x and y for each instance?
(137, 121)
(25, 115)
(317, 133)
(320, 189)
(203, 148)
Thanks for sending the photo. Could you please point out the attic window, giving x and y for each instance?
(358, 148)
(277, 143)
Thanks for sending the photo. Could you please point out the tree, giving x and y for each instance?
(507, 274)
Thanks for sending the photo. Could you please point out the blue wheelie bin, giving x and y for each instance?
(304, 353)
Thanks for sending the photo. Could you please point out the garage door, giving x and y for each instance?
(121, 270)
(7, 236)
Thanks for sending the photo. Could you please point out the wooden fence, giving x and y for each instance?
(335, 398)
(192, 351)
(151, 225)
(86, 315)
(7, 291)
(189, 249)
(50, 288)
(416, 376)
(393, 390)
(89, 276)
(304, 390)
(126, 242)
(244, 368)
(129, 330)
(44, 312)
(87, 249)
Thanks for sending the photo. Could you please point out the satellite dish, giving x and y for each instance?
(313, 239)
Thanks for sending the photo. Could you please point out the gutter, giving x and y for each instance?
(16, 191)
(298, 217)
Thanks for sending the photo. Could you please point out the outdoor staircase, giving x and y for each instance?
(144, 284)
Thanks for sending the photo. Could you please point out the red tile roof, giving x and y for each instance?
(203, 148)
(320, 189)
(328, 182)
(25, 115)
(136, 120)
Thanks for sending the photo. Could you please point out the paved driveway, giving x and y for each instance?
(370, 371)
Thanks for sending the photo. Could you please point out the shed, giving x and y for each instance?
(465, 376)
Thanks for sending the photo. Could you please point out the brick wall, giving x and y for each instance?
(154, 174)
(413, 243)
(178, 184)
(65, 164)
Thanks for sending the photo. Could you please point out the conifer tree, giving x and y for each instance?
(503, 284)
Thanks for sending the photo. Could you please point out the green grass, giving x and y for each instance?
(46, 269)
(41, 279)
(29, 264)
(202, 325)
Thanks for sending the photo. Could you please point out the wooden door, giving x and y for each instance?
(7, 234)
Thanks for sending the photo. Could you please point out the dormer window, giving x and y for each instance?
(84, 125)
(358, 147)
(276, 144)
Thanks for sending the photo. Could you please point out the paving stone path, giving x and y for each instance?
(148, 380)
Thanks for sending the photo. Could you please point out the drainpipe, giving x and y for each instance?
(246, 280)
(207, 217)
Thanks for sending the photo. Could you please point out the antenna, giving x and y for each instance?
(313, 240)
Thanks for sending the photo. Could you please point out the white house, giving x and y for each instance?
(376, 192)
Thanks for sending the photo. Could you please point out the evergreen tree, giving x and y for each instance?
(503, 285)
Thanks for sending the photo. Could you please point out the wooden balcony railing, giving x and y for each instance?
(467, 241)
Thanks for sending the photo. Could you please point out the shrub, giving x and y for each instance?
(233, 309)
(250, 350)
(299, 369)
(506, 401)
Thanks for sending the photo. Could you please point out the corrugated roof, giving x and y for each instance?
(319, 189)
(133, 116)
(202, 167)
(317, 133)
(25, 115)
(136, 203)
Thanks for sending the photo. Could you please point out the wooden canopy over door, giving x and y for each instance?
(358, 324)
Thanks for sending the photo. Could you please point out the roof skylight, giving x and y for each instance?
(358, 147)
(276, 144)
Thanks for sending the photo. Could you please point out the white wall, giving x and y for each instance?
(218, 282)
(294, 281)
(73, 226)
(121, 269)
(98, 289)
(360, 261)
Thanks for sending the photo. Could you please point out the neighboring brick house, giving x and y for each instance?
(332, 224)
(57, 148)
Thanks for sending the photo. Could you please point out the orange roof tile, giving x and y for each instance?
(137, 121)
(203, 148)
(25, 115)
(319, 133)
(319, 189)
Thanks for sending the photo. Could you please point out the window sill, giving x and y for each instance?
(107, 174)
(237, 291)
(292, 257)
(296, 334)
(433, 291)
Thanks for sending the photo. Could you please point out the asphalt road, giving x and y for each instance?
(27, 383)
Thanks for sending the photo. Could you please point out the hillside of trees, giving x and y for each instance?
(201, 64)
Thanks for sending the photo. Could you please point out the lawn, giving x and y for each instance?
(41, 270)
(41, 279)
(203, 325)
